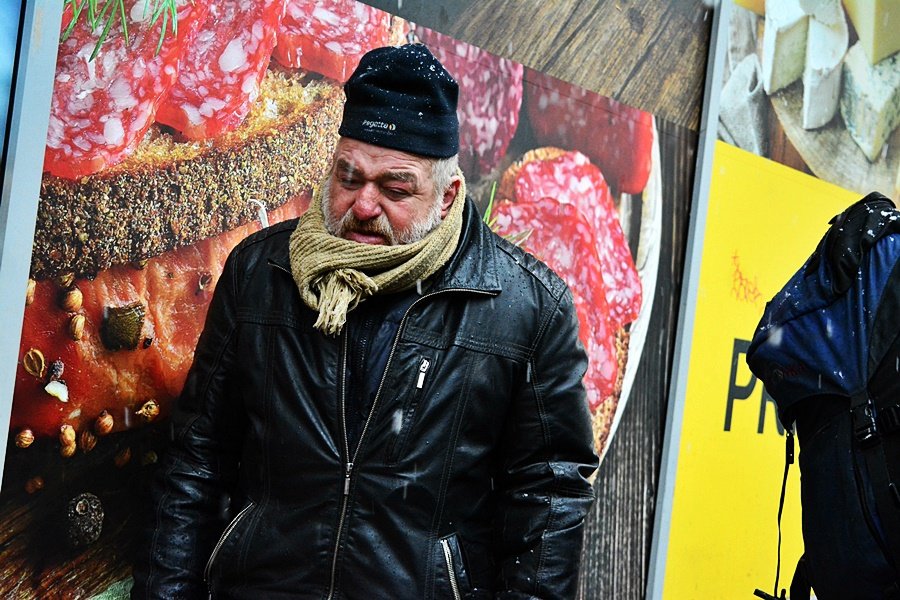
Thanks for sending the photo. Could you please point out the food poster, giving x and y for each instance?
(766, 214)
(168, 146)
(815, 85)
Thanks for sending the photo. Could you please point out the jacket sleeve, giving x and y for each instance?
(190, 490)
(548, 460)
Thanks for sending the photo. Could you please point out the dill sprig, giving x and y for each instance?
(516, 239)
(103, 13)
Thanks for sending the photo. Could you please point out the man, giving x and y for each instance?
(386, 401)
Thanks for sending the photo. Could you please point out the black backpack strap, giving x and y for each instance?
(867, 440)
(800, 587)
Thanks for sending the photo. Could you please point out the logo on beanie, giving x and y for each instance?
(378, 125)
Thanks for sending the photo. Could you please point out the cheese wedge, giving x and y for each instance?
(877, 22)
(825, 48)
(757, 6)
(825, 11)
(870, 99)
(784, 44)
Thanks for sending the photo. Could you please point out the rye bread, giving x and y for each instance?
(170, 194)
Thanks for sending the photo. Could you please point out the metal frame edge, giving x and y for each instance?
(685, 329)
(30, 108)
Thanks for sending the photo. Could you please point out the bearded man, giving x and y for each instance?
(386, 400)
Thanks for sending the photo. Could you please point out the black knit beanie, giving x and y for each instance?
(402, 98)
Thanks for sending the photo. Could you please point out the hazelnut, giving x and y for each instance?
(29, 291)
(65, 280)
(123, 456)
(67, 435)
(149, 411)
(34, 363)
(104, 423)
(34, 484)
(76, 327)
(87, 440)
(24, 438)
(72, 299)
(67, 451)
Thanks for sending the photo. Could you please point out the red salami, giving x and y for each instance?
(572, 179)
(490, 98)
(221, 71)
(330, 36)
(560, 236)
(101, 108)
(616, 137)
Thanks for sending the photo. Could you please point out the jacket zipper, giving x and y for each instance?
(222, 538)
(423, 368)
(348, 466)
(448, 558)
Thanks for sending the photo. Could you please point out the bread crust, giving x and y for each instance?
(170, 194)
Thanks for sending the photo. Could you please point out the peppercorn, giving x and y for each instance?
(84, 520)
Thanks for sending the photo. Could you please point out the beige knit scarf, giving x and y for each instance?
(334, 274)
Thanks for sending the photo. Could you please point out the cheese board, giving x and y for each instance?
(830, 152)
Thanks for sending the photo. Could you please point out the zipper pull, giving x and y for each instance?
(423, 368)
(348, 468)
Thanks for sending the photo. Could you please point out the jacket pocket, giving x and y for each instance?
(455, 567)
(229, 530)
(404, 420)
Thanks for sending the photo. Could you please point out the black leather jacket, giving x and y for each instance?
(470, 480)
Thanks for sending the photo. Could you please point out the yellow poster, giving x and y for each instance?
(764, 219)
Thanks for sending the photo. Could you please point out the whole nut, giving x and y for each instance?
(34, 363)
(24, 438)
(76, 327)
(104, 423)
(72, 299)
(87, 440)
(67, 435)
(34, 484)
(149, 411)
(122, 457)
(29, 291)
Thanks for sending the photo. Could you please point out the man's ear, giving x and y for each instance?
(449, 194)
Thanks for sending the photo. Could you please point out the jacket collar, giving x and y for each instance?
(472, 266)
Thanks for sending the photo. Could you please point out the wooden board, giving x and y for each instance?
(650, 55)
(830, 152)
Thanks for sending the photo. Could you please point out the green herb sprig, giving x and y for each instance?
(516, 239)
(104, 13)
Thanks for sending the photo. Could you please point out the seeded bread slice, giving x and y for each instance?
(170, 194)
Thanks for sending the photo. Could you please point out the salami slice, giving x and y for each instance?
(616, 137)
(490, 99)
(221, 71)
(560, 236)
(330, 36)
(101, 108)
(572, 179)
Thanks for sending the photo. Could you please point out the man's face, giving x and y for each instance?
(377, 195)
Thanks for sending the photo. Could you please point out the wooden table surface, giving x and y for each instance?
(651, 55)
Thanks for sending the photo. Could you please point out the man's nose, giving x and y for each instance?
(367, 204)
